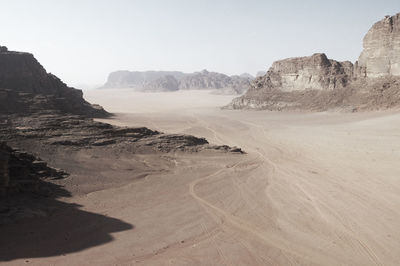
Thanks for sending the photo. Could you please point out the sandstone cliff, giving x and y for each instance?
(26, 87)
(381, 54)
(315, 72)
(318, 83)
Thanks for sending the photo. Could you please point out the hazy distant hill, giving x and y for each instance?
(153, 81)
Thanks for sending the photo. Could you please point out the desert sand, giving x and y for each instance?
(313, 189)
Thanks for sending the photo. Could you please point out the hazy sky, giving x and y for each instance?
(81, 41)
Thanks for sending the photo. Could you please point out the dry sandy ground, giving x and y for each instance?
(314, 189)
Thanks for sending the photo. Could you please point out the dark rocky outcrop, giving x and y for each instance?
(22, 172)
(26, 87)
(80, 132)
(318, 83)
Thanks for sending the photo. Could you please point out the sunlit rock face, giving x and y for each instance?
(381, 54)
(315, 72)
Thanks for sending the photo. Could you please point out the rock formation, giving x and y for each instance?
(80, 132)
(139, 80)
(318, 83)
(381, 54)
(40, 115)
(164, 83)
(26, 87)
(315, 72)
(173, 80)
(22, 172)
(213, 80)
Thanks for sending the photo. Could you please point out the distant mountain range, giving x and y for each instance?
(161, 81)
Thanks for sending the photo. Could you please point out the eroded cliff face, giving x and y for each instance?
(381, 54)
(315, 72)
(26, 87)
(318, 83)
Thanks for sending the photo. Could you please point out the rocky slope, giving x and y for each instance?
(41, 116)
(173, 80)
(22, 172)
(26, 87)
(318, 83)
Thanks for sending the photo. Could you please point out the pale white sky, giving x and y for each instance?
(82, 41)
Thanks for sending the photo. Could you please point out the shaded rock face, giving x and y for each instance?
(22, 172)
(315, 72)
(381, 54)
(173, 80)
(25, 86)
(318, 83)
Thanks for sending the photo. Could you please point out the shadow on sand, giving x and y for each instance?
(63, 229)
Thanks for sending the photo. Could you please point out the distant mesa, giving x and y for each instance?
(161, 81)
(26, 87)
(318, 83)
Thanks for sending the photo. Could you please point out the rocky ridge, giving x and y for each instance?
(79, 132)
(156, 81)
(317, 83)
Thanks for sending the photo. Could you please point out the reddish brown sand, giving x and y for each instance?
(314, 189)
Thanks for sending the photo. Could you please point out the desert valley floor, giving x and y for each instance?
(313, 188)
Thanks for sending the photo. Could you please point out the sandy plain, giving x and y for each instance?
(313, 189)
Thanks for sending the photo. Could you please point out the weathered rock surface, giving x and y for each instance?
(174, 80)
(80, 132)
(361, 95)
(315, 72)
(381, 54)
(318, 83)
(22, 172)
(26, 87)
